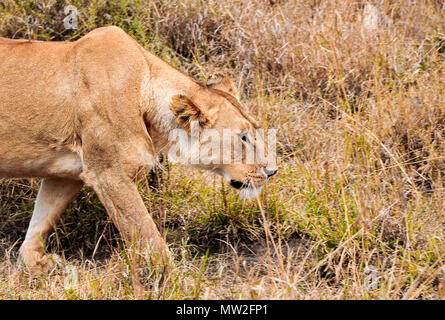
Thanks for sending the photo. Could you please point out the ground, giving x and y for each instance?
(355, 90)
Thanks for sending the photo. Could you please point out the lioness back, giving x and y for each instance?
(43, 89)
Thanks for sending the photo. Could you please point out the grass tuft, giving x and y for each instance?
(356, 91)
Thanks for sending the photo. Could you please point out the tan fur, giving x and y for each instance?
(186, 111)
(97, 111)
(227, 85)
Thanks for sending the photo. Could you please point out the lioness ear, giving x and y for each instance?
(227, 85)
(186, 112)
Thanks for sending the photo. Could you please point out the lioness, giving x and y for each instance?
(97, 111)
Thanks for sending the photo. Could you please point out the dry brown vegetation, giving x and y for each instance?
(356, 90)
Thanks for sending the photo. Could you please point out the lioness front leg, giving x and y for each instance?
(54, 196)
(124, 205)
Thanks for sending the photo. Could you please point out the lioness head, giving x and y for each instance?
(224, 137)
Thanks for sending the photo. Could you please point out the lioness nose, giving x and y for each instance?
(270, 173)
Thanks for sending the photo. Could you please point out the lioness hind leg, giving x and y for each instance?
(54, 196)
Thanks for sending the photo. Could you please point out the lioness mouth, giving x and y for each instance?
(238, 184)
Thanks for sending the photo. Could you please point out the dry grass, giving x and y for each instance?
(356, 211)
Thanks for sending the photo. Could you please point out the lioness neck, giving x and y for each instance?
(159, 85)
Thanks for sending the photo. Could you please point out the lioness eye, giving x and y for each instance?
(244, 137)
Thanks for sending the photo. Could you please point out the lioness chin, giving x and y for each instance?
(97, 111)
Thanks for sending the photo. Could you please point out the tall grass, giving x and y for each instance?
(356, 91)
